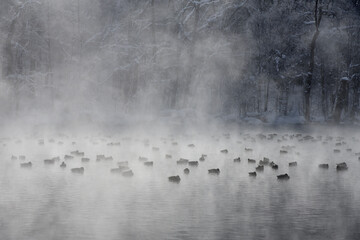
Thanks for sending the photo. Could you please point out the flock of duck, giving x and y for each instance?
(122, 167)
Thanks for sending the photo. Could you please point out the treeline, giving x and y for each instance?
(234, 57)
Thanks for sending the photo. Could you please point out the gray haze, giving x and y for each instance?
(86, 85)
(49, 202)
(112, 59)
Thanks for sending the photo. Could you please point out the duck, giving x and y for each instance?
(77, 153)
(13, 157)
(22, 157)
(85, 159)
(123, 168)
(191, 145)
(252, 174)
(148, 163)
(128, 173)
(78, 170)
(26, 165)
(341, 166)
(324, 165)
(193, 163)
(116, 170)
(251, 160)
(225, 151)
(80, 154)
(283, 177)
(182, 161)
(49, 161)
(63, 165)
(292, 164)
(100, 157)
(143, 159)
(168, 156)
(186, 171)
(68, 157)
(202, 158)
(237, 159)
(274, 166)
(265, 161)
(214, 171)
(123, 163)
(259, 168)
(175, 179)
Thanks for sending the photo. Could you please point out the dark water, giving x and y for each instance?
(47, 202)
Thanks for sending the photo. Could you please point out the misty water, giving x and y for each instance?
(49, 202)
(153, 82)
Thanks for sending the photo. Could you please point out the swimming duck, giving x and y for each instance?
(237, 159)
(128, 173)
(292, 164)
(252, 174)
(26, 165)
(341, 166)
(148, 163)
(214, 171)
(78, 170)
(193, 163)
(175, 179)
(283, 177)
(324, 165)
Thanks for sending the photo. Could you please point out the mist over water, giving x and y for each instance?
(106, 104)
(48, 202)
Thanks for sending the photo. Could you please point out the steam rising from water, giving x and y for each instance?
(49, 202)
(108, 80)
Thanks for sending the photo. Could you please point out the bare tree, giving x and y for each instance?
(308, 82)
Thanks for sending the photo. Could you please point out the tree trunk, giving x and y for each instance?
(286, 100)
(79, 33)
(323, 92)
(267, 95)
(153, 35)
(308, 81)
(49, 75)
(175, 84)
(192, 51)
(355, 100)
(341, 99)
(8, 63)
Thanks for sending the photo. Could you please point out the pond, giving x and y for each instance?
(46, 201)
